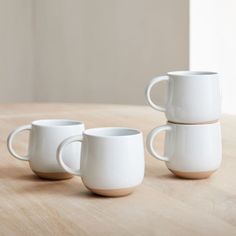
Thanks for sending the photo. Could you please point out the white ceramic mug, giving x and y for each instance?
(112, 160)
(192, 97)
(45, 136)
(191, 151)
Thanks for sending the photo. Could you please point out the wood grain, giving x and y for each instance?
(162, 205)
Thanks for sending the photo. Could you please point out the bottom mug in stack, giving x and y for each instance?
(191, 151)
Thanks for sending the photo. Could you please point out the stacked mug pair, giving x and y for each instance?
(110, 161)
(193, 147)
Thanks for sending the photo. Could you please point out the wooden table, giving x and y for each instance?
(162, 205)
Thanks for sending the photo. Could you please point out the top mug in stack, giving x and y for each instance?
(192, 97)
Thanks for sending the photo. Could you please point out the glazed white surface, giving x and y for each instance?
(189, 148)
(109, 162)
(43, 142)
(192, 97)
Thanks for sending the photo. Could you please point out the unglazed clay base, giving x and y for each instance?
(194, 123)
(52, 175)
(112, 192)
(193, 175)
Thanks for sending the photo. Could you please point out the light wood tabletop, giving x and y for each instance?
(162, 205)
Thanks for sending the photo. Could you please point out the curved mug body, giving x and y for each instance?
(112, 160)
(192, 97)
(190, 151)
(45, 136)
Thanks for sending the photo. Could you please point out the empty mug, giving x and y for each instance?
(45, 136)
(192, 97)
(112, 160)
(191, 151)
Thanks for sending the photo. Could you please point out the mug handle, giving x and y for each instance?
(150, 139)
(154, 81)
(73, 139)
(10, 140)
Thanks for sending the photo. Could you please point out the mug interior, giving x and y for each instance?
(111, 132)
(192, 73)
(56, 123)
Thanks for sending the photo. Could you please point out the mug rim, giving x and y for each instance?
(192, 73)
(96, 132)
(56, 123)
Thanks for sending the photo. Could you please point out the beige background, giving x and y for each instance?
(89, 51)
(16, 51)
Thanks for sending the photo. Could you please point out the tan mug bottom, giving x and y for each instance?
(119, 192)
(53, 175)
(193, 123)
(193, 175)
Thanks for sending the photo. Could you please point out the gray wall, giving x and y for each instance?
(91, 51)
(16, 51)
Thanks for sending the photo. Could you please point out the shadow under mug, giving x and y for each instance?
(193, 97)
(45, 136)
(190, 151)
(112, 160)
